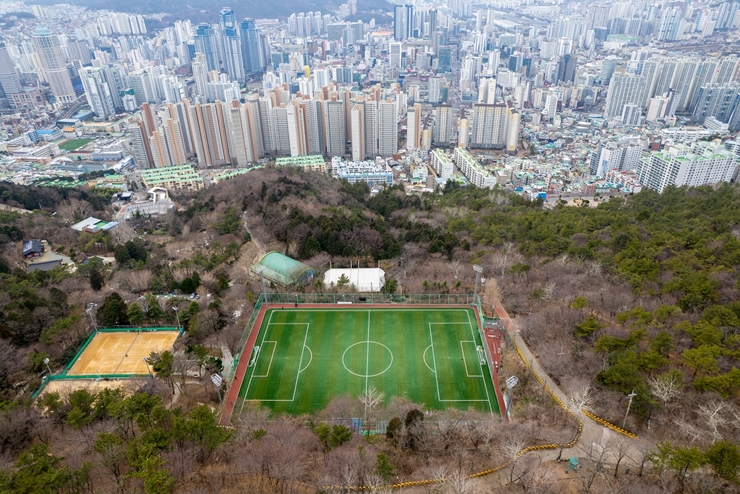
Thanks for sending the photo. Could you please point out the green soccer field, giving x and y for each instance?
(308, 356)
(73, 144)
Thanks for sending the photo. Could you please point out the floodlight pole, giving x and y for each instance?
(177, 314)
(631, 395)
(46, 362)
(478, 270)
(147, 367)
(264, 287)
(90, 307)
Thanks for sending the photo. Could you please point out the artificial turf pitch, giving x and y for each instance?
(308, 356)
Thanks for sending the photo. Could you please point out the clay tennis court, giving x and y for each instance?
(121, 352)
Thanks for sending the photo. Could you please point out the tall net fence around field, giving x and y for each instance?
(291, 299)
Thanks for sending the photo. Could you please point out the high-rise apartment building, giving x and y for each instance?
(358, 131)
(251, 48)
(53, 65)
(97, 92)
(413, 127)
(387, 128)
(336, 133)
(205, 43)
(624, 90)
(444, 125)
(489, 126)
(9, 79)
(622, 155)
(140, 144)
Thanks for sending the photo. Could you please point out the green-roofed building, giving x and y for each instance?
(314, 162)
(283, 270)
(173, 178)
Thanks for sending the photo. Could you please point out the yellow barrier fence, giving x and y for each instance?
(605, 423)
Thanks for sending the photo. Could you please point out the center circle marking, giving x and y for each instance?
(365, 343)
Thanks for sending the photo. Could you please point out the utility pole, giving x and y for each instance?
(631, 395)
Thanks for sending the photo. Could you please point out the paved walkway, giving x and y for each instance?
(592, 431)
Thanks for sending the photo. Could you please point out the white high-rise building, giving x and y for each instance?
(370, 112)
(622, 155)
(9, 79)
(488, 126)
(53, 65)
(443, 127)
(282, 133)
(336, 134)
(394, 54)
(387, 129)
(435, 90)
(623, 90)
(97, 92)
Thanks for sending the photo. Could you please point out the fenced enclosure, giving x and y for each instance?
(345, 298)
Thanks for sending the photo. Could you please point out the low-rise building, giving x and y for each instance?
(703, 163)
(474, 171)
(442, 164)
(375, 173)
(313, 162)
(179, 178)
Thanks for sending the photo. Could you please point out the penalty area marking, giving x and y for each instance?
(300, 363)
(436, 377)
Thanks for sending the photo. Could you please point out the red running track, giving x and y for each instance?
(241, 369)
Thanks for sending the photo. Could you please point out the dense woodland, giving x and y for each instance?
(638, 293)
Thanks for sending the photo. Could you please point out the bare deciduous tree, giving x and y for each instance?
(711, 414)
(618, 448)
(580, 398)
(665, 387)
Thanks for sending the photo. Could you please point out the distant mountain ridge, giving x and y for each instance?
(207, 10)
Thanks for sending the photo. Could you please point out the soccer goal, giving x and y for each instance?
(255, 352)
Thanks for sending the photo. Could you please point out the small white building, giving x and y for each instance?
(363, 279)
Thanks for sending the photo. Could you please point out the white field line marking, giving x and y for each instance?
(465, 361)
(367, 353)
(272, 357)
(310, 355)
(485, 386)
(300, 364)
(434, 359)
(424, 357)
(246, 391)
(124, 355)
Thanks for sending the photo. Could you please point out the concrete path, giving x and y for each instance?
(593, 433)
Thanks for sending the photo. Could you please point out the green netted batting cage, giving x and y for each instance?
(283, 270)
